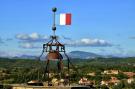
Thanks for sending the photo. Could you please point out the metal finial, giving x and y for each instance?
(53, 28)
(54, 9)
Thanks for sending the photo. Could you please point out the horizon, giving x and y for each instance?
(101, 27)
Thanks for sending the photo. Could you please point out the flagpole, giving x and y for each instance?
(54, 25)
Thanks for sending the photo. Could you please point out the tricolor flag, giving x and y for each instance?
(65, 19)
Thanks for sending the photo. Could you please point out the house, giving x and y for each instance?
(113, 80)
(130, 80)
(111, 72)
(85, 81)
(91, 74)
(51, 75)
(129, 74)
(104, 82)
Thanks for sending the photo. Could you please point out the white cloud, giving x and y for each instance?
(89, 42)
(29, 41)
(22, 36)
(34, 37)
(28, 45)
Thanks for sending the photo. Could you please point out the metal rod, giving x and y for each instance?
(47, 70)
(54, 23)
(68, 60)
(54, 19)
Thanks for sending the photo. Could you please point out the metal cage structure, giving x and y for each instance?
(54, 50)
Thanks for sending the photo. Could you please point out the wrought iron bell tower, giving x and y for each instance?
(54, 48)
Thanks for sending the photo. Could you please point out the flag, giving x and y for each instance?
(65, 19)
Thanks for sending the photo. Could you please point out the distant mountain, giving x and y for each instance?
(83, 55)
(72, 54)
(25, 57)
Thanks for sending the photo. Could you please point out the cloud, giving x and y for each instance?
(85, 42)
(29, 41)
(28, 46)
(34, 37)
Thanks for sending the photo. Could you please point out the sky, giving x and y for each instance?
(104, 27)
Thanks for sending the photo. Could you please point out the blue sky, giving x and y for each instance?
(101, 26)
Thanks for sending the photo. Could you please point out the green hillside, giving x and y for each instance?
(24, 70)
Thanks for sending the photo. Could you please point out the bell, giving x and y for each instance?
(54, 55)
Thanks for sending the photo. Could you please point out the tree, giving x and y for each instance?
(121, 76)
(120, 85)
(104, 87)
(106, 77)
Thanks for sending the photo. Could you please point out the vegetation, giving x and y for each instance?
(24, 70)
